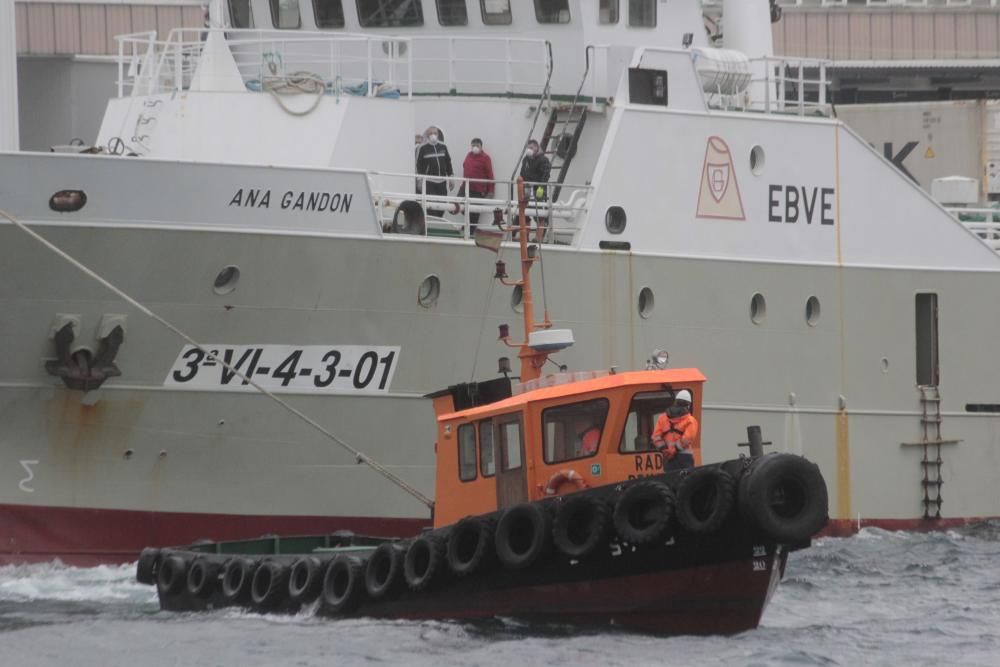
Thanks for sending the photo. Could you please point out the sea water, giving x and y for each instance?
(878, 598)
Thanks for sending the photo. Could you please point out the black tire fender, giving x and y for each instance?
(305, 580)
(785, 497)
(582, 526)
(145, 567)
(643, 512)
(470, 545)
(343, 584)
(269, 586)
(523, 535)
(237, 579)
(705, 499)
(203, 577)
(171, 575)
(424, 562)
(384, 572)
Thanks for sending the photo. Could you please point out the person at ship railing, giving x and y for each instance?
(535, 170)
(478, 168)
(434, 166)
(590, 437)
(675, 433)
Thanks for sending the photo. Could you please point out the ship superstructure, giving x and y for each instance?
(257, 190)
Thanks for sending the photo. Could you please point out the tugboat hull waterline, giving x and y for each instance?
(827, 297)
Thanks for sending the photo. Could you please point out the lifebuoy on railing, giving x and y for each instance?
(565, 477)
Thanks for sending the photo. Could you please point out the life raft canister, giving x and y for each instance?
(565, 477)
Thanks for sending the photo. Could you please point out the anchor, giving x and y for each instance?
(82, 369)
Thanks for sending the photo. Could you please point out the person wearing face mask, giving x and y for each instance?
(675, 433)
(535, 170)
(478, 168)
(434, 165)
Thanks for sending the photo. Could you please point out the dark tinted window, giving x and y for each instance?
(496, 12)
(285, 14)
(329, 13)
(642, 13)
(452, 12)
(552, 11)
(390, 13)
(573, 431)
(487, 463)
(608, 12)
(239, 14)
(466, 452)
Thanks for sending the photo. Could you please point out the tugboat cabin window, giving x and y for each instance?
(645, 409)
(466, 452)
(574, 431)
(390, 13)
(552, 11)
(607, 14)
(642, 13)
(452, 12)
(240, 14)
(509, 439)
(487, 463)
(495, 12)
(329, 13)
(285, 14)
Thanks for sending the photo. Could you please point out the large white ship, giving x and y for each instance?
(250, 190)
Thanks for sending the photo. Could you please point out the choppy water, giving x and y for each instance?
(878, 598)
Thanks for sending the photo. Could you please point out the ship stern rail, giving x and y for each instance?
(351, 64)
(983, 222)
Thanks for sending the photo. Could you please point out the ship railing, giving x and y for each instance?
(983, 222)
(347, 63)
(791, 85)
(395, 194)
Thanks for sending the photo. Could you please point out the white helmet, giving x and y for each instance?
(683, 395)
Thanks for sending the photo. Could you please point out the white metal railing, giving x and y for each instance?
(793, 90)
(450, 215)
(346, 62)
(983, 222)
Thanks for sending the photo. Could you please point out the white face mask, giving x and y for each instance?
(477, 150)
(433, 138)
(530, 152)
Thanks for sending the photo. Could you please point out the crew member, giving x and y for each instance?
(675, 433)
(590, 438)
(535, 170)
(478, 167)
(434, 166)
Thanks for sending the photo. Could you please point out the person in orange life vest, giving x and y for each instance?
(478, 167)
(590, 437)
(675, 433)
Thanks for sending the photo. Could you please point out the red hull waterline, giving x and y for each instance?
(87, 537)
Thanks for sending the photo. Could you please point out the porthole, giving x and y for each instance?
(516, 297)
(429, 291)
(812, 311)
(226, 281)
(646, 302)
(758, 308)
(615, 219)
(757, 160)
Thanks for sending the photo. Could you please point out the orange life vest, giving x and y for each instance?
(678, 431)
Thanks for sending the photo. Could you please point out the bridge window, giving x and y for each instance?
(329, 13)
(552, 11)
(452, 12)
(390, 13)
(466, 452)
(487, 462)
(285, 14)
(496, 12)
(573, 431)
(642, 415)
(607, 14)
(240, 14)
(642, 13)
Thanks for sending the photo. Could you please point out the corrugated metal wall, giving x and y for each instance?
(864, 33)
(46, 28)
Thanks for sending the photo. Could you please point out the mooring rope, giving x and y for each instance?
(360, 456)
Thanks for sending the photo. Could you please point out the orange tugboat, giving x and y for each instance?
(551, 504)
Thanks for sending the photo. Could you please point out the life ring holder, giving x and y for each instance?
(565, 477)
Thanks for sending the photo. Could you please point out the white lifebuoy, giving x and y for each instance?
(565, 477)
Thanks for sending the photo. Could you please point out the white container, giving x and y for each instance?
(950, 190)
(722, 71)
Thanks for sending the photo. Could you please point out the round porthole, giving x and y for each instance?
(757, 160)
(615, 220)
(516, 297)
(429, 291)
(812, 311)
(646, 302)
(758, 308)
(226, 281)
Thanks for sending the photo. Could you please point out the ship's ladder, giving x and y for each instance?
(931, 442)
(562, 133)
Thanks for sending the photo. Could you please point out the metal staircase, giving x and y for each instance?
(562, 133)
(931, 441)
